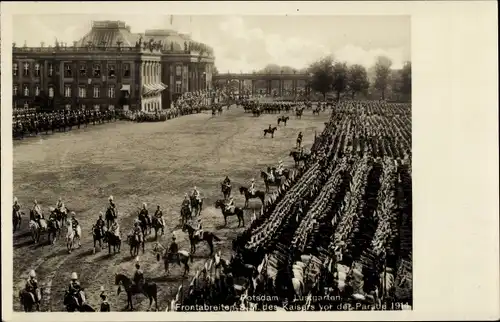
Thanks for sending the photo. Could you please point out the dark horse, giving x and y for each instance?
(317, 110)
(72, 305)
(270, 131)
(149, 289)
(112, 240)
(277, 179)
(157, 225)
(110, 217)
(181, 257)
(226, 190)
(258, 194)
(98, 236)
(135, 245)
(196, 205)
(283, 119)
(145, 224)
(298, 157)
(238, 212)
(299, 112)
(194, 239)
(28, 301)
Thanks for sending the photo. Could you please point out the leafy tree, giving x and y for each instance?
(405, 80)
(357, 80)
(322, 75)
(382, 74)
(340, 78)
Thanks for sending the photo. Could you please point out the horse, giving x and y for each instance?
(145, 224)
(71, 236)
(238, 212)
(317, 110)
(98, 236)
(28, 301)
(53, 229)
(112, 240)
(135, 245)
(186, 214)
(184, 257)
(207, 236)
(16, 219)
(226, 190)
(61, 215)
(275, 182)
(258, 194)
(298, 157)
(283, 119)
(196, 205)
(270, 131)
(298, 113)
(110, 216)
(149, 289)
(37, 229)
(157, 225)
(72, 304)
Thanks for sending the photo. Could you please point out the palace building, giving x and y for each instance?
(111, 68)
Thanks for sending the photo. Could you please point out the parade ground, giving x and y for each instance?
(136, 163)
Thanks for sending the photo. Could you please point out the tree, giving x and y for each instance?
(405, 81)
(357, 80)
(382, 74)
(322, 75)
(340, 73)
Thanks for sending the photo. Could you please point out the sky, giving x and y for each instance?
(248, 43)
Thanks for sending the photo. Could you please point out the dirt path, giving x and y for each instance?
(154, 163)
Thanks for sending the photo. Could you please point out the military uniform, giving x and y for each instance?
(75, 289)
(139, 278)
(32, 287)
(252, 187)
(173, 251)
(159, 215)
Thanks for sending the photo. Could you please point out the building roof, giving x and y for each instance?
(109, 32)
(167, 36)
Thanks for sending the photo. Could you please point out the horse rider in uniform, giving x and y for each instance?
(159, 215)
(100, 223)
(270, 174)
(252, 187)
(270, 128)
(227, 182)
(230, 205)
(196, 193)
(37, 210)
(32, 287)
(279, 168)
(112, 207)
(53, 217)
(173, 250)
(138, 276)
(299, 139)
(187, 202)
(75, 289)
(105, 307)
(115, 229)
(16, 207)
(137, 231)
(59, 205)
(144, 212)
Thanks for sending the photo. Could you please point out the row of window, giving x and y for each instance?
(82, 91)
(68, 70)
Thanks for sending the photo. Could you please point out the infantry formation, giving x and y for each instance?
(336, 228)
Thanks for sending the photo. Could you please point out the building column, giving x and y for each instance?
(269, 86)
(253, 86)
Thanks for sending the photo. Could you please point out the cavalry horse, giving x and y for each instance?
(110, 216)
(258, 194)
(299, 112)
(157, 225)
(186, 214)
(298, 157)
(226, 190)
(183, 257)
(196, 205)
(148, 289)
(28, 301)
(135, 244)
(283, 119)
(72, 304)
(277, 180)
(61, 215)
(194, 239)
(145, 224)
(16, 219)
(317, 110)
(72, 236)
(238, 212)
(37, 228)
(270, 131)
(112, 240)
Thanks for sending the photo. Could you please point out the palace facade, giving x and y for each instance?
(111, 68)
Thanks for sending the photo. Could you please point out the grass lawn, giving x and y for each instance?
(156, 163)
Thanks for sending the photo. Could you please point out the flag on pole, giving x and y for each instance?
(171, 20)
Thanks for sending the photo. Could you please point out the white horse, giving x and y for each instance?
(36, 229)
(71, 236)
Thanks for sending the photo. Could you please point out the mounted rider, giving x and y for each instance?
(16, 207)
(53, 217)
(60, 205)
(230, 205)
(144, 213)
(75, 289)
(32, 287)
(195, 194)
(173, 251)
(186, 202)
(299, 139)
(270, 128)
(137, 231)
(227, 182)
(115, 229)
(138, 276)
(270, 174)
(159, 215)
(252, 187)
(199, 230)
(112, 207)
(100, 223)
(37, 212)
